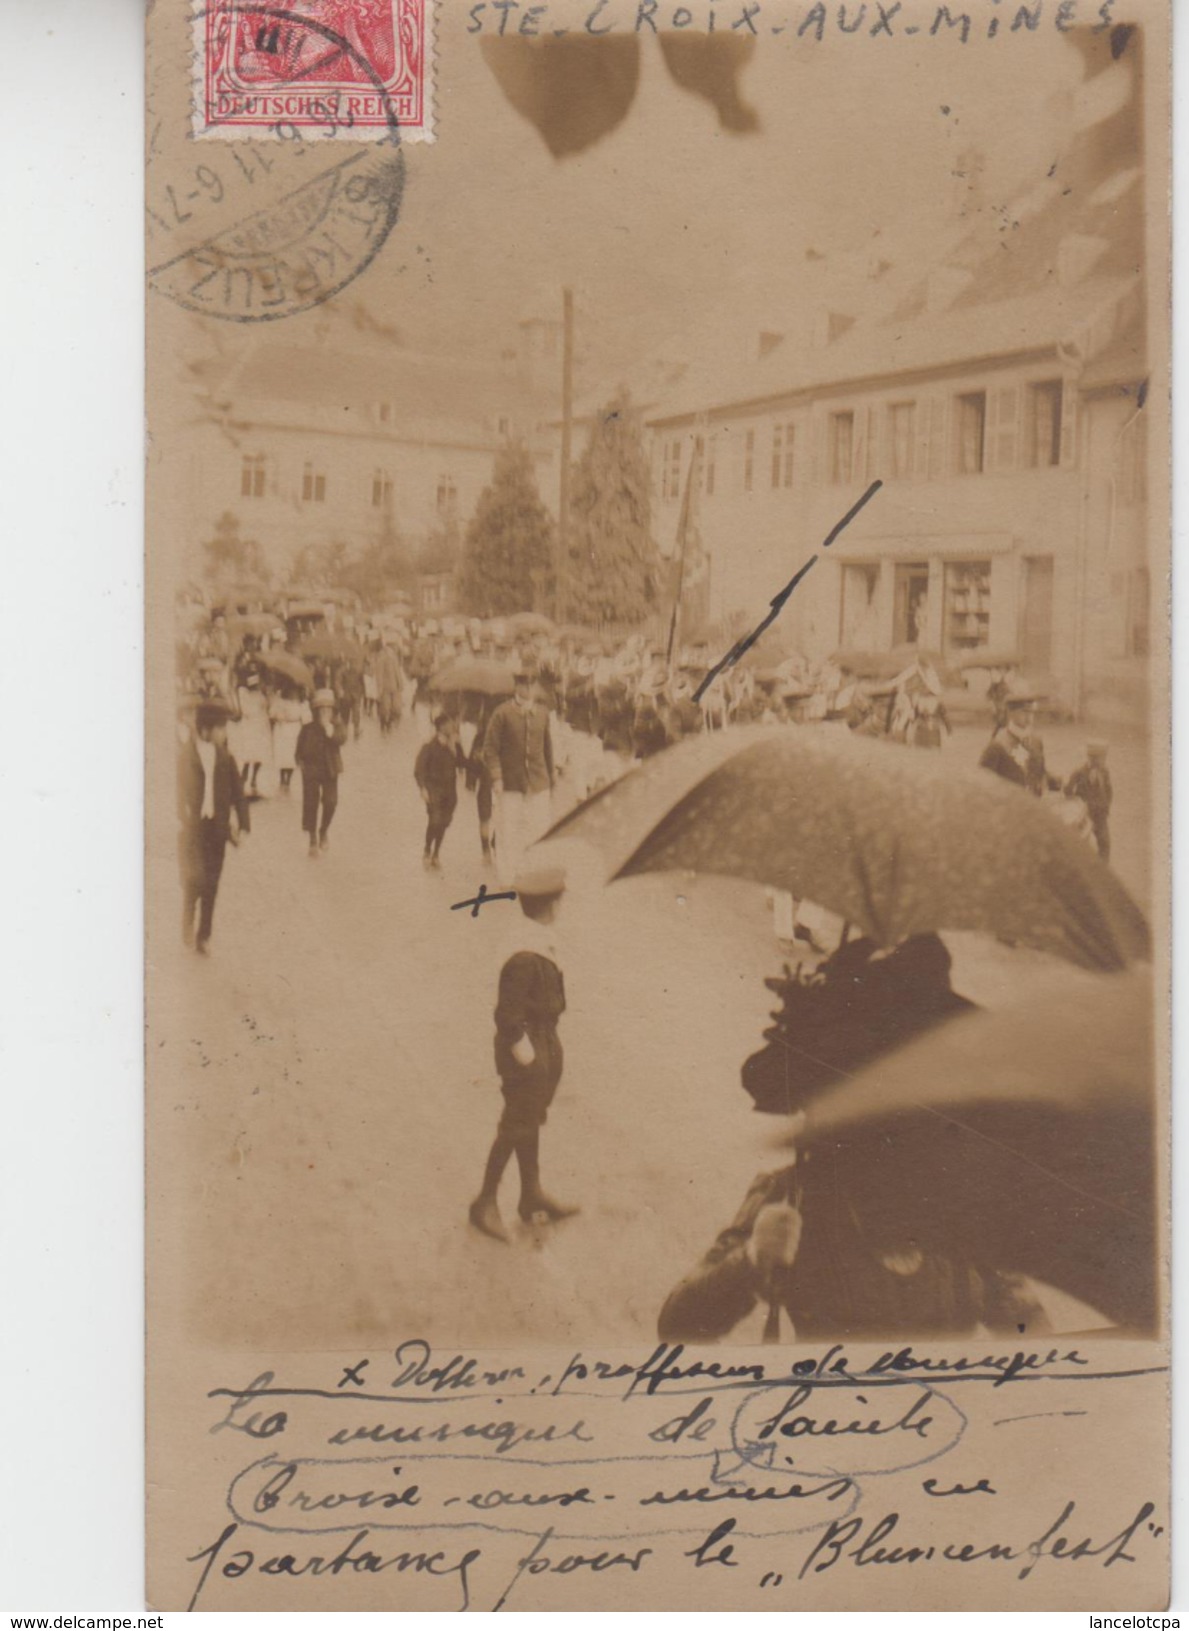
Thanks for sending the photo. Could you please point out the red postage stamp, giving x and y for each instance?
(349, 69)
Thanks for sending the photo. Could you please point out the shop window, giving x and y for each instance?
(967, 610)
(860, 590)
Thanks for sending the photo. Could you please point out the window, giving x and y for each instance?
(431, 595)
(1044, 424)
(1133, 461)
(708, 467)
(503, 426)
(842, 446)
(447, 497)
(381, 489)
(782, 455)
(902, 428)
(252, 476)
(749, 460)
(313, 485)
(671, 469)
(1137, 633)
(971, 433)
(385, 411)
(967, 605)
(860, 606)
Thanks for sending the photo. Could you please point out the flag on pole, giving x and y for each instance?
(691, 559)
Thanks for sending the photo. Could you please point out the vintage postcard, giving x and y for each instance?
(658, 878)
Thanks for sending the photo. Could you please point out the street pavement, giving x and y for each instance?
(329, 1071)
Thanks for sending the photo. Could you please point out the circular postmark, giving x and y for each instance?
(304, 243)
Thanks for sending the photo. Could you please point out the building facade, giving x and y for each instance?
(999, 404)
(334, 443)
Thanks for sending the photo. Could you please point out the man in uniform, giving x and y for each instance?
(1009, 752)
(518, 751)
(210, 793)
(528, 1053)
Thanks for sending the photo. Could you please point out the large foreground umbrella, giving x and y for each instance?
(477, 674)
(288, 667)
(1023, 1140)
(896, 843)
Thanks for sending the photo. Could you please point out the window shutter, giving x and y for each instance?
(1003, 428)
(938, 449)
(873, 447)
(1069, 420)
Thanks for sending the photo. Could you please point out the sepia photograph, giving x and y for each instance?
(658, 742)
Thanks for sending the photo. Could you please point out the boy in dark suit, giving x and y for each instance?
(319, 754)
(210, 794)
(436, 773)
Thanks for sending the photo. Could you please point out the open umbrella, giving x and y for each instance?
(530, 623)
(331, 648)
(984, 657)
(885, 665)
(896, 843)
(288, 667)
(474, 674)
(256, 623)
(1021, 1139)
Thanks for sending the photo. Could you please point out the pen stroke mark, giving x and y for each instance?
(1038, 1415)
(777, 603)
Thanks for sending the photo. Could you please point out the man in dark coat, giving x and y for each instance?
(528, 1055)
(319, 755)
(518, 751)
(213, 812)
(436, 774)
(1008, 753)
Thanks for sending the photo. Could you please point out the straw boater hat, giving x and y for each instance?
(324, 699)
(1096, 748)
(539, 882)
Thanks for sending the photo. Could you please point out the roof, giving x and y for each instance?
(875, 350)
(435, 396)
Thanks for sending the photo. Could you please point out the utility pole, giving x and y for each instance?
(567, 425)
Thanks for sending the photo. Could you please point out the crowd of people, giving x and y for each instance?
(530, 706)
(504, 713)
